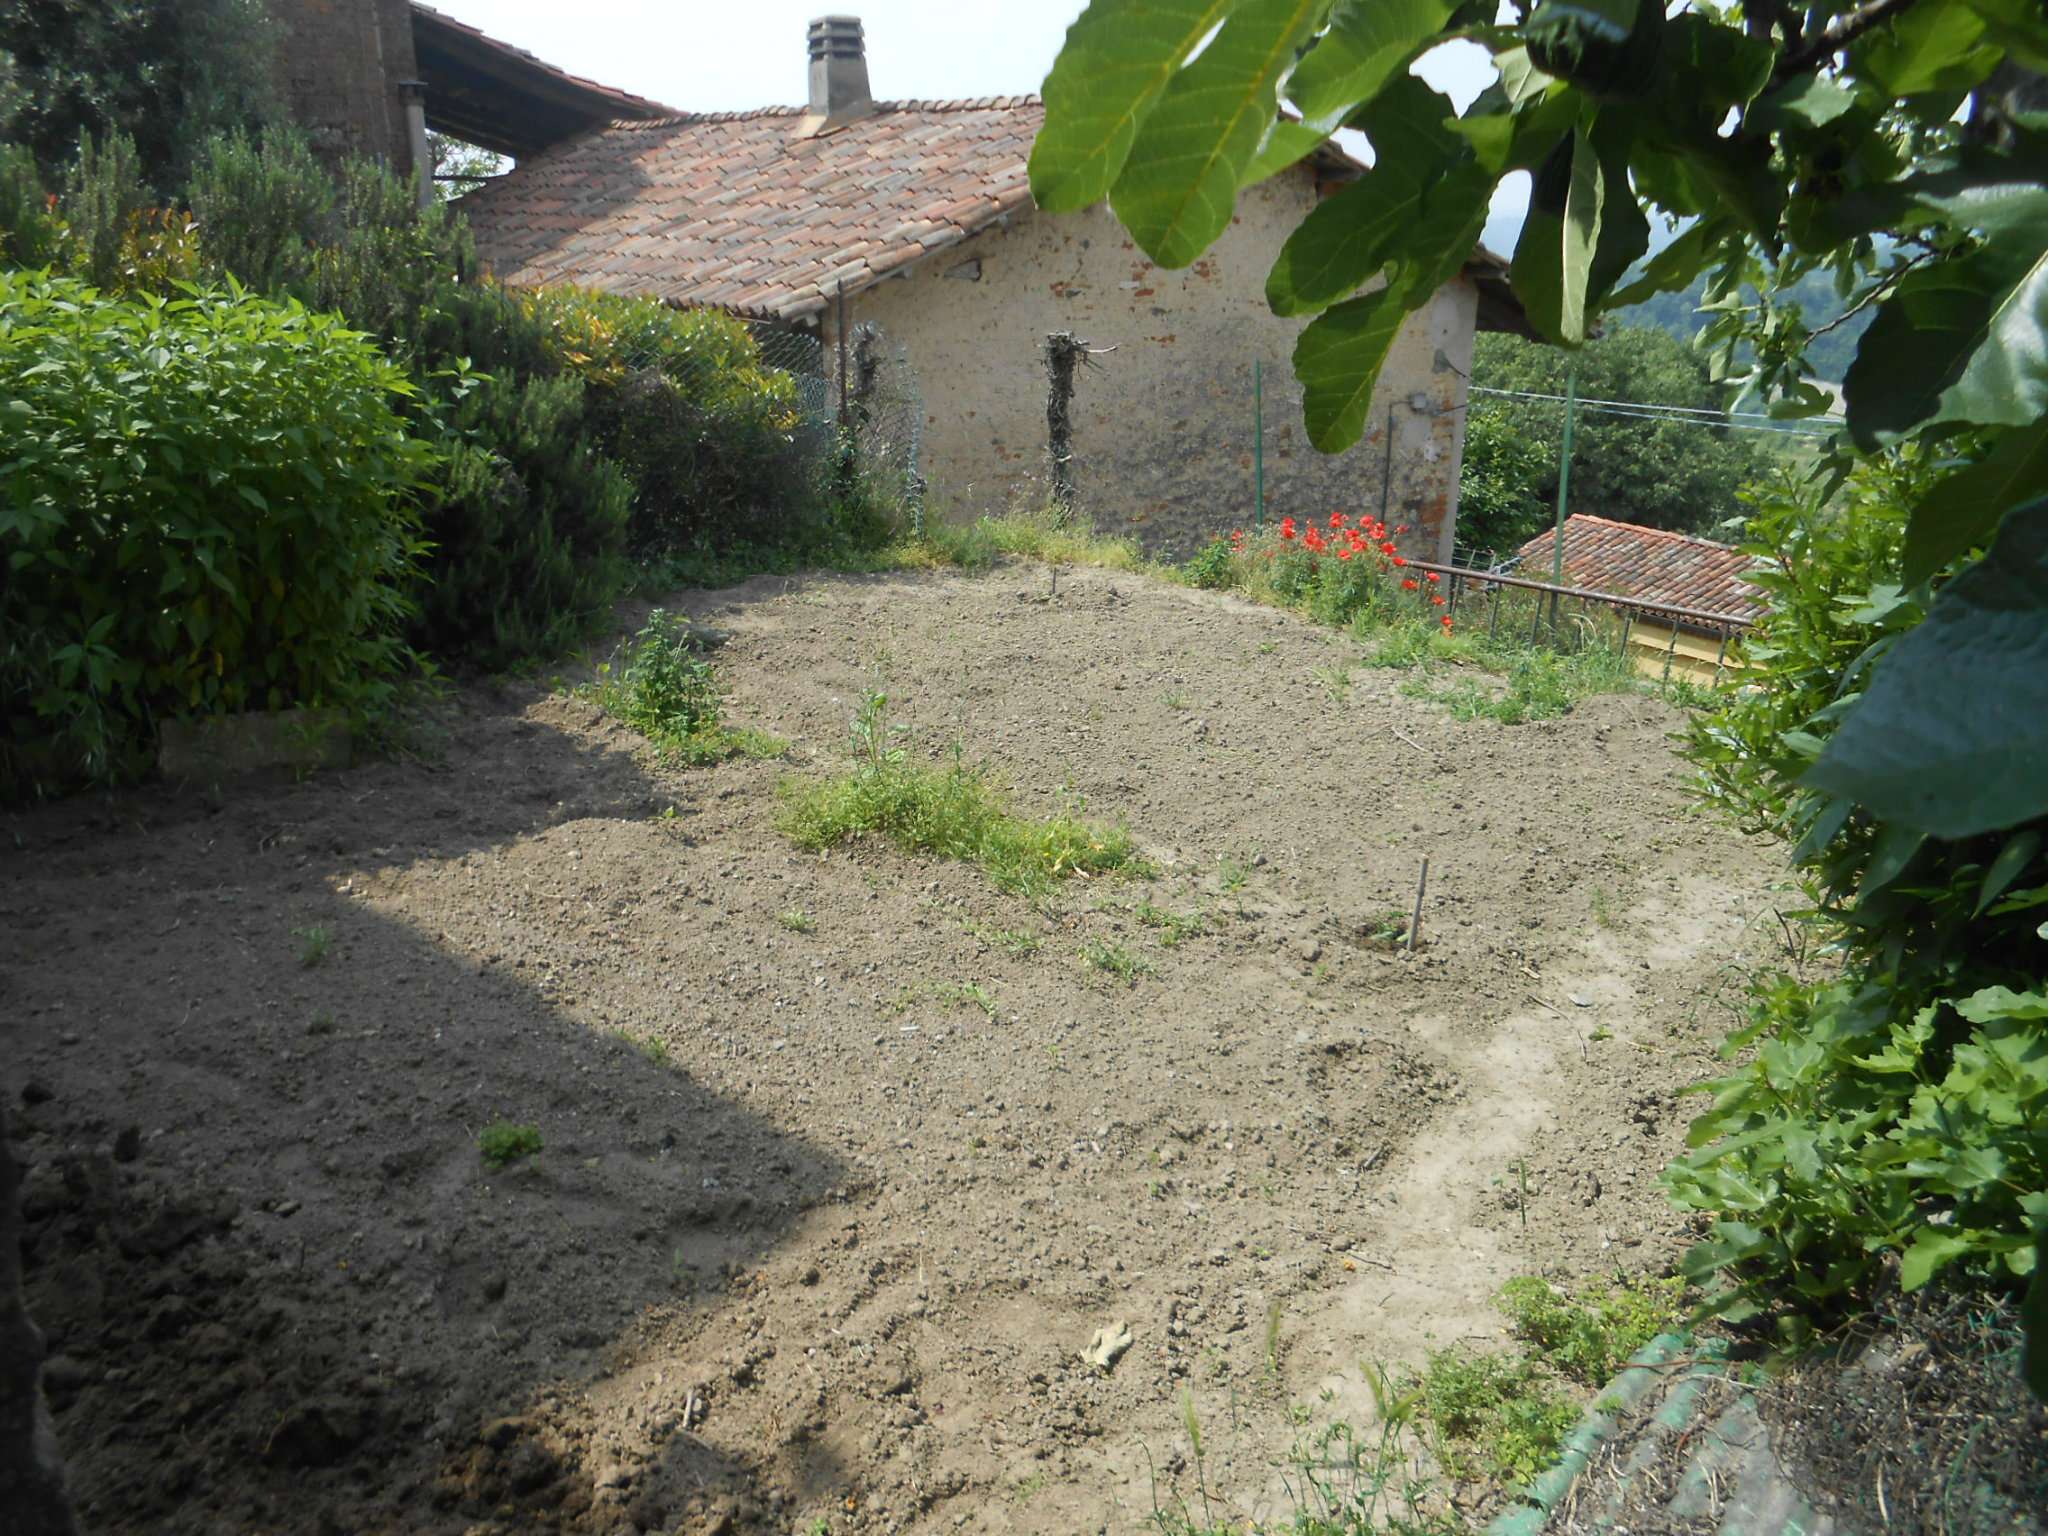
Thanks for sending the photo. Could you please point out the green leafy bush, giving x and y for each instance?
(32, 232)
(528, 522)
(529, 517)
(1893, 1107)
(1494, 1415)
(208, 507)
(1213, 567)
(1507, 463)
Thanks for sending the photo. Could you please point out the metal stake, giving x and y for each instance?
(1258, 443)
(1564, 480)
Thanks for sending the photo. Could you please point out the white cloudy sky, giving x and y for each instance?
(731, 56)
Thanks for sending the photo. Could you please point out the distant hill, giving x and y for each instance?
(1679, 313)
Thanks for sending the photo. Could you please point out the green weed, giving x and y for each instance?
(796, 920)
(1046, 534)
(1591, 1334)
(1603, 908)
(1114, 960)
(666, 690)
(961, 994)
(1493, 1416)
(1175, 928)
(1011, 941)
(314, 943)
(954, 811)
(1338, 1480)
(504, 1142)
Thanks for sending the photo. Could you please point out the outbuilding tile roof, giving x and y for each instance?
(1659, 568)
(736, 210)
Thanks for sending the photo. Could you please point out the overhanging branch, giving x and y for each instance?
(1837, 35)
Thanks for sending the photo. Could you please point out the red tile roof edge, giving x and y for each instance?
(640, 106)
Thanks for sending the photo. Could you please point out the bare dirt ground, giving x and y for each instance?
(825, 1218)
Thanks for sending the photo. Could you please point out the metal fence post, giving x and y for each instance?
(1564, 480)
(1258, 444)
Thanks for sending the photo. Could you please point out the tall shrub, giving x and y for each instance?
(529, 521)
(528, 517)
(207, 508)
(1889, 1101)
(712, 438)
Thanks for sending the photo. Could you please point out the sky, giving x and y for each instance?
(728, 57)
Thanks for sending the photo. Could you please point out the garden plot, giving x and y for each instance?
(847, 1158)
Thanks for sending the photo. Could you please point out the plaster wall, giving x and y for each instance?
(1163, 442)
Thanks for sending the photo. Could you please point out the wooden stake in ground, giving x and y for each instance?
(1415, 922)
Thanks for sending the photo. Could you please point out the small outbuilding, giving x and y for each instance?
(1688, 598)
(915, 219)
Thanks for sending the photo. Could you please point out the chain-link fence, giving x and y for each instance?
(883, 412)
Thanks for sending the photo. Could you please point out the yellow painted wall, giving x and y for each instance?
(1163, 425)
(1649, 645)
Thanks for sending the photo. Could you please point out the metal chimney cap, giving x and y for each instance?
(836, 37)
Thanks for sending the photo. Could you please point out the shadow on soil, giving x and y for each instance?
(281, 1287)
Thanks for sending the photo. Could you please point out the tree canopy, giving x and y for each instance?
(1679, 474)
(168, 73)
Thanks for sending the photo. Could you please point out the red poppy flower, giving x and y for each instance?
(1402, 529)
(1286, 527)
(1336, 519)
(1432, 576)
(1399, 561)
(1344, 553)
(1410, 584)
(1437, 599)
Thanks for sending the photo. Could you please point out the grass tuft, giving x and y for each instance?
(954, 811)
(1043, 534)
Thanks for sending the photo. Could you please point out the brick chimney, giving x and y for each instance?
(839, 70)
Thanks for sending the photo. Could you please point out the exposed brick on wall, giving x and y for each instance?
(340, 66)
(1163, 425)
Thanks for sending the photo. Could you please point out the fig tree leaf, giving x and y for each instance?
(1338, 358)
(1117, 59)
(1367, 44)
(1179, 182)
(1552, 270)
(1951, 737)
(1960, 510)
(1349, 238)
(1962, 340)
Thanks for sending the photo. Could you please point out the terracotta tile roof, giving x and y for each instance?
(1662, 569)
(734, 210)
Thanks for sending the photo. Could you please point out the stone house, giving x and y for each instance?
(916, 217)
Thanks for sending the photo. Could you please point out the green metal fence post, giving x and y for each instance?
(1258, 444)
(1564, 480)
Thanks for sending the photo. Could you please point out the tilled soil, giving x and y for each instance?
(847, 1158)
